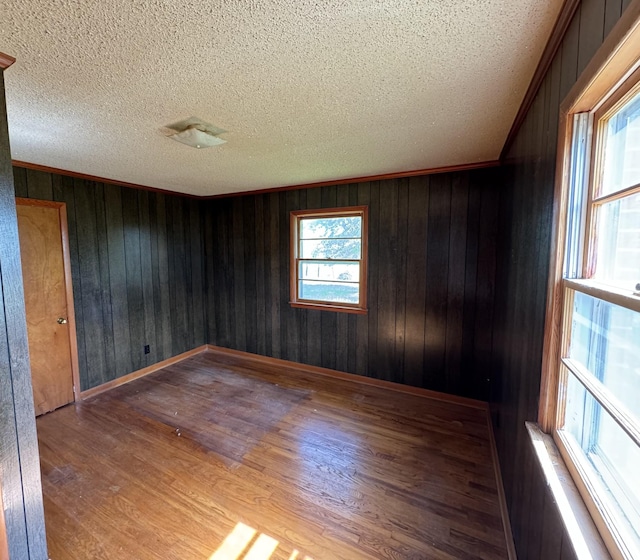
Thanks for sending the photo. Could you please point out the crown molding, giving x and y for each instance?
(86, 177)
(399, 175)
(6, 61)
(364, 179)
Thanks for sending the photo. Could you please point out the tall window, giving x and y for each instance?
(328, 259)
(597, 413)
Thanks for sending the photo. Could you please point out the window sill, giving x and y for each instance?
(328, 307)
(580, 528)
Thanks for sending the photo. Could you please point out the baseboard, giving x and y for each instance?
(141, 372)
(354, 378)
(268, 361)
(502, 498)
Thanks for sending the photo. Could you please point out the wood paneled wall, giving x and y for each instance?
(19, 458)
(139, 267)
(525, 230)
(430, 287)
(138, 272)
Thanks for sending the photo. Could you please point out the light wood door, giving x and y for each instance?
(46, 287)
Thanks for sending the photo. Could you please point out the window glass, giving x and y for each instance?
(618, 242)
(335, 271)
(329, 291)
(622, 148)
(334, 248)
(611, 453)
(605, 339)
(344, 226)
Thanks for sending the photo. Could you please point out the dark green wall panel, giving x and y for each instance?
(521, 282)
(432, 257)
(138, 269)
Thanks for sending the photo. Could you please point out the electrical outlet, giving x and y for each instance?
(147, 349)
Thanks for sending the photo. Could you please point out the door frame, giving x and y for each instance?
(66, 258)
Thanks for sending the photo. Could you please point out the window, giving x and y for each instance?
(329, 259)
(594, 415)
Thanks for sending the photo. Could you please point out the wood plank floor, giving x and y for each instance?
(215, 458)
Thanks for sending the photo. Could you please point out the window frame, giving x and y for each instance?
(609, 79)
(296, 216)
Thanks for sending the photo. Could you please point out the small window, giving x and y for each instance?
(329, 259)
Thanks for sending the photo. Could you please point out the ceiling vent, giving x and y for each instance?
(195, 132)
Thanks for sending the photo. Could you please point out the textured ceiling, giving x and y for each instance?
(308, 90)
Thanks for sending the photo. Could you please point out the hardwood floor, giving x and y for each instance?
(219, 459)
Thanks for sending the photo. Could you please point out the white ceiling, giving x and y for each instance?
(309, 90)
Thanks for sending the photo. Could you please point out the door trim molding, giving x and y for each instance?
(66, 259)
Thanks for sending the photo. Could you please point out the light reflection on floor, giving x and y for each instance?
(332, 453)
(262, 547)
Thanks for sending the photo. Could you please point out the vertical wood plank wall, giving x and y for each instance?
(19, 457)
(137, 268)
(430, 287)
(525, 229)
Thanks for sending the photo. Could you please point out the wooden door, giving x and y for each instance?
(48, 301)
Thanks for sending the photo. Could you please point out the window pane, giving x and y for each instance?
(618, 248)
(335, 271)
(622, 148)
(347, 226)
(330, 248)
(605, 338)
(341, 292)
(611, 452)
